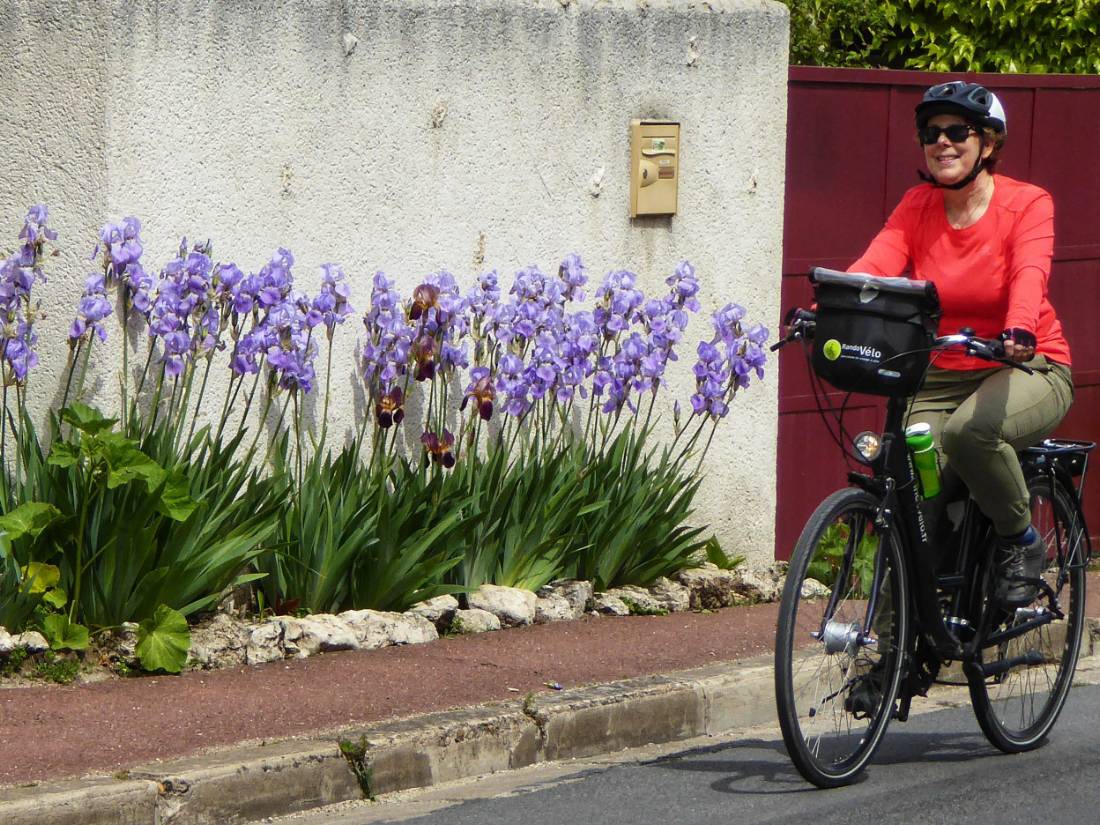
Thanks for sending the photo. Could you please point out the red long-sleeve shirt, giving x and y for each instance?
(990, 276)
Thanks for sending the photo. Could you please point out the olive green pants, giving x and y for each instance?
(980, 419)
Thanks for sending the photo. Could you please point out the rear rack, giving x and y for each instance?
(1069, 454)
(1072, 457)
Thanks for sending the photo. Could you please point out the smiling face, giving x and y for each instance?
(949, 162)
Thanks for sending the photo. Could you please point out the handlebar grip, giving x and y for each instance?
(992, 349)
(799, 323)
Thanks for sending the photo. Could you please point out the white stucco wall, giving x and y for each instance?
(457, 134)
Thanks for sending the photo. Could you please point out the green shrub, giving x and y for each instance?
(1027, 36)
(836, 32)
(829, 555)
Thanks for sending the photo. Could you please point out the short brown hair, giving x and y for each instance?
(997, 139)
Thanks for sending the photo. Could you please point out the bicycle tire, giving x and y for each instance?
(815, 683)
(1016, 710)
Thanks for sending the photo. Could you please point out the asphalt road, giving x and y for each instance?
(936, 768)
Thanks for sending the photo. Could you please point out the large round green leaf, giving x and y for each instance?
(163, 641)
(63, 634)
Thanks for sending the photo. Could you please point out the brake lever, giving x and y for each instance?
(796, 321)
(793, 334)
(996, 353)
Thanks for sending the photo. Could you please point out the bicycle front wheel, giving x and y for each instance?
(837, 666)
(1017, 709)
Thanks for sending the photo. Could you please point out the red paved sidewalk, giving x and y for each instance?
(51, 732)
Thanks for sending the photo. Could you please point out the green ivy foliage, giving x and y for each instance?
(1027, 36)
(843, 33)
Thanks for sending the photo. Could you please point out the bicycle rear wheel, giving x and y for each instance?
(1017, 709)
(837, 670)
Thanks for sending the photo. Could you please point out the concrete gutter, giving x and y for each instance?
(249, 782)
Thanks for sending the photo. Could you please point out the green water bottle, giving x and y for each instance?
(919, 439)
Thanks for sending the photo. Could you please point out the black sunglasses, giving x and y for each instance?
(956, 133)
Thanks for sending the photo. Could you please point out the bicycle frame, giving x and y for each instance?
(894, 482)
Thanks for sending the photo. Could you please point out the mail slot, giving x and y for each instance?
(654, 165)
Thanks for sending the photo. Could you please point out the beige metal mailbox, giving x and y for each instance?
(654, 167)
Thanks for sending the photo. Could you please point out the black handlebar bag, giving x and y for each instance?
(873, 335)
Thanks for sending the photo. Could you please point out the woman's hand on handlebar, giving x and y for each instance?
(1019, 345)
(800, 325)
(989, 349)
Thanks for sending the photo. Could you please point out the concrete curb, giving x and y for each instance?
(245, 783)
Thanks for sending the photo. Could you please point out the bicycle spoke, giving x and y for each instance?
(1017, 708)
(831, 659)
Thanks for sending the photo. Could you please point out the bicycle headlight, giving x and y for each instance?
(868, 445)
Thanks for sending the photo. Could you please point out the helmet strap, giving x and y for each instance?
(961, 184)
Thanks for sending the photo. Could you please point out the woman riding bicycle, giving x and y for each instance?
(986, 242)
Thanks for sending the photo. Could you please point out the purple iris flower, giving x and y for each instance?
(727, 362)
(121, 245)
(331, 303)
(386, 353)
(19, 351)
(34, 229)
(574, 275)
(91, 309)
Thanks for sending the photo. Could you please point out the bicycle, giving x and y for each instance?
(870, 614)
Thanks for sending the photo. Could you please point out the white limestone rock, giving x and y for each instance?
(552, 608)
(265, 643)
(638, 600)
(32, 641)
(474, 620)
(512, 605)
(411, 630)
(220, 642)
(813, 589)
(710, 586)
(377, 628)
(370, 629)
(673, 596)
(575, 591)
(758, 585)
(439, 611)
(607, 604)
(317, 633)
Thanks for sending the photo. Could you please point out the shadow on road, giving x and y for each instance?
(905, 748)
(761, 766)
(743, 761)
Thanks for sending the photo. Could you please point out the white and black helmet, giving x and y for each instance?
(969, 100)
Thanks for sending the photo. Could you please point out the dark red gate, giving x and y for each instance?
(850, 157)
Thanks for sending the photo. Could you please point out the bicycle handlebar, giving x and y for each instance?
(988, 349)
(800, 325)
